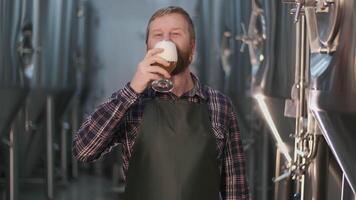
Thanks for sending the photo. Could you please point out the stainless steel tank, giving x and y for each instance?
(52, 83)
(236, 57)
(274, 63)
(81, 47)
(54, 72)
(320, 28)
(271, 37)
(333, 88)
(15, 55)
(81, 61)
(209, 26)
(278, 66)
(227, 66)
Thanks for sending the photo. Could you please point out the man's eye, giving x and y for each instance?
(175, 34)
(158, 35)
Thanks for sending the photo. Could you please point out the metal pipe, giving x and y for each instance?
(50, 129)
(36, 38)
(282, 178)
(265, 166)
(64, 158)
(13, 172)
(317, 172)
(74, 128)
(297, 80)
(277, 173)
(251, 155)
(301, 81)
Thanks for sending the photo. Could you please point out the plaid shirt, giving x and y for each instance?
(118, 120)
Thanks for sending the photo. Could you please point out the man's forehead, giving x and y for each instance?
(173, 29)
(173, 20)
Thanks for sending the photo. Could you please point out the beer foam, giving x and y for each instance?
(170, 50)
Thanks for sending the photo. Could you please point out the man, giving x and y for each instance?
(181, 145)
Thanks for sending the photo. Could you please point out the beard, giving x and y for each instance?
(184, 60)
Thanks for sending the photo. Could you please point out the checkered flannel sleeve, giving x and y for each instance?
(97, 133)
(234, 184)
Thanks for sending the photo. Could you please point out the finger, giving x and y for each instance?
(154, 77)
(158, 70)
(154, 51)
(158, 59)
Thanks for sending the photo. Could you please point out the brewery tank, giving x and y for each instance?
(333, 87)
(273, 58)
(53, 74)
(15, 56)
(223, 66)
(53, 71)
(271, 37)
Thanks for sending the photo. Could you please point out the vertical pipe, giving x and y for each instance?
(57, 35)
(317, 172)
(74, 129)
(276, 174)
(297, 80)
(302, 100)
(36, 40)
(265, 166)
(50, 129)
(282, 187)
(64, 152)
(300, 78)
(251, 154)
(13, 172)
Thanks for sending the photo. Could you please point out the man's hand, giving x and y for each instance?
(148, 70)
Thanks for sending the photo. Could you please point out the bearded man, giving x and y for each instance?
(181, 144)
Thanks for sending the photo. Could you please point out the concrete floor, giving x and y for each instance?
(86, 187)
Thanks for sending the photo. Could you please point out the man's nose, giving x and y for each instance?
(166, 36)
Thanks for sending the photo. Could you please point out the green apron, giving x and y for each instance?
(174, 156)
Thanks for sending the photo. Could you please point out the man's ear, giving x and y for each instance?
(193, 45)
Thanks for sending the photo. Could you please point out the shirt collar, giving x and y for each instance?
(197, 89)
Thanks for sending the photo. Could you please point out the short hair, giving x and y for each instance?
(171, 10)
